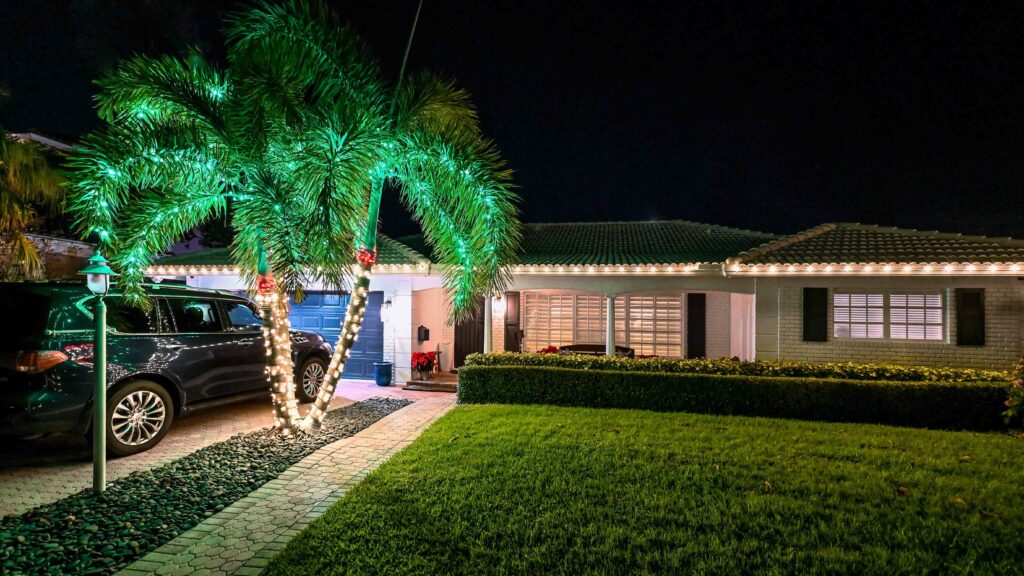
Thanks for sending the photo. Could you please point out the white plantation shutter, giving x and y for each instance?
(590, 314)
(548, 320)
(915, 317)
(656, 325)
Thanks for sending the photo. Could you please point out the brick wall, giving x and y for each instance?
(780, 325)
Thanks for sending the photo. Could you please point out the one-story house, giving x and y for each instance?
(836, 292)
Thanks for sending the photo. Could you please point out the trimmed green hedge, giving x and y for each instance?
(847, 371)
(970, 406)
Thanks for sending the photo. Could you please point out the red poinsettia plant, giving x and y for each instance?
(548, 350)
(424, 361)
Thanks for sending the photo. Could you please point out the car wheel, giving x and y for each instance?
(139, 414)
(311, 378)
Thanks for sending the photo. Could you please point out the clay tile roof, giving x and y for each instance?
(851, 243)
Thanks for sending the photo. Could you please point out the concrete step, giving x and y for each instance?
(431, 386)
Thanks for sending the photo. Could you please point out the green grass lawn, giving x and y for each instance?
(533, 489)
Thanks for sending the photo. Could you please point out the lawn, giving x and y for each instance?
(534, 489)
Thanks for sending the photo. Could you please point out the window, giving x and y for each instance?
(549, 320)
(192, 315)
(915, 316)
(655, 325)
(651, 325)
(858, 315)
(128, 319)
(241, 317)
(590, 314)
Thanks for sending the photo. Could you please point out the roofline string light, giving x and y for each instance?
(879, 269)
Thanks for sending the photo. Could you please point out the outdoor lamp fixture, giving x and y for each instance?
(97, 278)
(498, 306)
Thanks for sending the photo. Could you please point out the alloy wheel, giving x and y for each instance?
(313, 379)
(138, 418)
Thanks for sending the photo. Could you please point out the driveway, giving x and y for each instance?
(37, 472)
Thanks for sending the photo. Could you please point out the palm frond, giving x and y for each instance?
(426, 103)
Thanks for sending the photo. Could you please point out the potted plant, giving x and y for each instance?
(423, 363)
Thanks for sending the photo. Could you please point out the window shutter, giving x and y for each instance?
(970, 316)
(815, 314)
(696, 325)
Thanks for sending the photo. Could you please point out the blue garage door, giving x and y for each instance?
(323, 313)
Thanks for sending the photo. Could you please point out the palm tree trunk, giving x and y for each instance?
(280, 372)
(343, 348)
(353, 316)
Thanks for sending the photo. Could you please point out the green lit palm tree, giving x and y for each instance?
(302, 136)
(28, 184)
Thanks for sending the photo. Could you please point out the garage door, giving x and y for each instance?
(323, 313)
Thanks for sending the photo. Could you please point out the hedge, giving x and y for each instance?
(950, 405)
(847, 371)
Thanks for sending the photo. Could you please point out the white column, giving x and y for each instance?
(487, 325)
(609, 345)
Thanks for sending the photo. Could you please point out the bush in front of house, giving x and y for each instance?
(947, 405)
(725, 366)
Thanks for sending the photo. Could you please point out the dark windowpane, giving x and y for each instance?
(242, 317)
(24, 309)
(193, 315)
(128, 319)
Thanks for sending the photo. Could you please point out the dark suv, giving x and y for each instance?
(191, 349)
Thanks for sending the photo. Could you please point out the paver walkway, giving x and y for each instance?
(243, 537)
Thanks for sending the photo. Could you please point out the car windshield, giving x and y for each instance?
(25, 313)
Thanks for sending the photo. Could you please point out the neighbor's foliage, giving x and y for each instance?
(301, 133)
(786, 368)
(28, 184)
(1015, 403)
(953, 405)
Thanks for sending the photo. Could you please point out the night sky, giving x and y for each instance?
(769, 116)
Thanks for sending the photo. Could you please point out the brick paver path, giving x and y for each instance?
(243, 537)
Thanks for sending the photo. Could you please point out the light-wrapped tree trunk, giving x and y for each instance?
(343, 348)
(280, 371)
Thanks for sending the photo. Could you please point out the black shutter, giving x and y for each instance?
(970, 316)
(815, 314)
(696, 325)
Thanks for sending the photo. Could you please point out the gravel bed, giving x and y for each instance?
(83, 534)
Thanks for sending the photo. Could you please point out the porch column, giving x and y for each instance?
(609, 343)
(487, 325)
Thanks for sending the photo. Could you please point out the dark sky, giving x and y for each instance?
(768, 115)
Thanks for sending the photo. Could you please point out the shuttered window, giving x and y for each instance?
(651, 325)
(590, 314)
(915, 317)
(858, 315)
(656, 325)
(549, 320)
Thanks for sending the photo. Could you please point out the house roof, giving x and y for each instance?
(388, 252)
(847, 243)
(627, 243)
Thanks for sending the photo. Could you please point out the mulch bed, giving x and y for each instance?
(85, 534)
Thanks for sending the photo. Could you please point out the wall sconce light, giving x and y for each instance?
(498, 305)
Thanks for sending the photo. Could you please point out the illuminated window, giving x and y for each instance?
(549, 320)
(915, 316)
(590, 314)
(858, 315)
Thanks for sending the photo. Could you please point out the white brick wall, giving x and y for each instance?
(718, 322)
(782, 335)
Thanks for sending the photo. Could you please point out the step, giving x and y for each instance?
(431, 386)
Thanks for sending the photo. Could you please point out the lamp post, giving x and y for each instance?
(97, 278)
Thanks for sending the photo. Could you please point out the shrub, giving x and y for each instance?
(1015, 403)
(950, 405)
(847, 371)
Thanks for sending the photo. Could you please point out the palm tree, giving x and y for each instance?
(303, 136)
(28, 184)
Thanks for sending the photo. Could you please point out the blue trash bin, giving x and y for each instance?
(382, 373)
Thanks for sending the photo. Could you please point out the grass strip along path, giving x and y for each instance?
(537, 489)
(83, 534)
